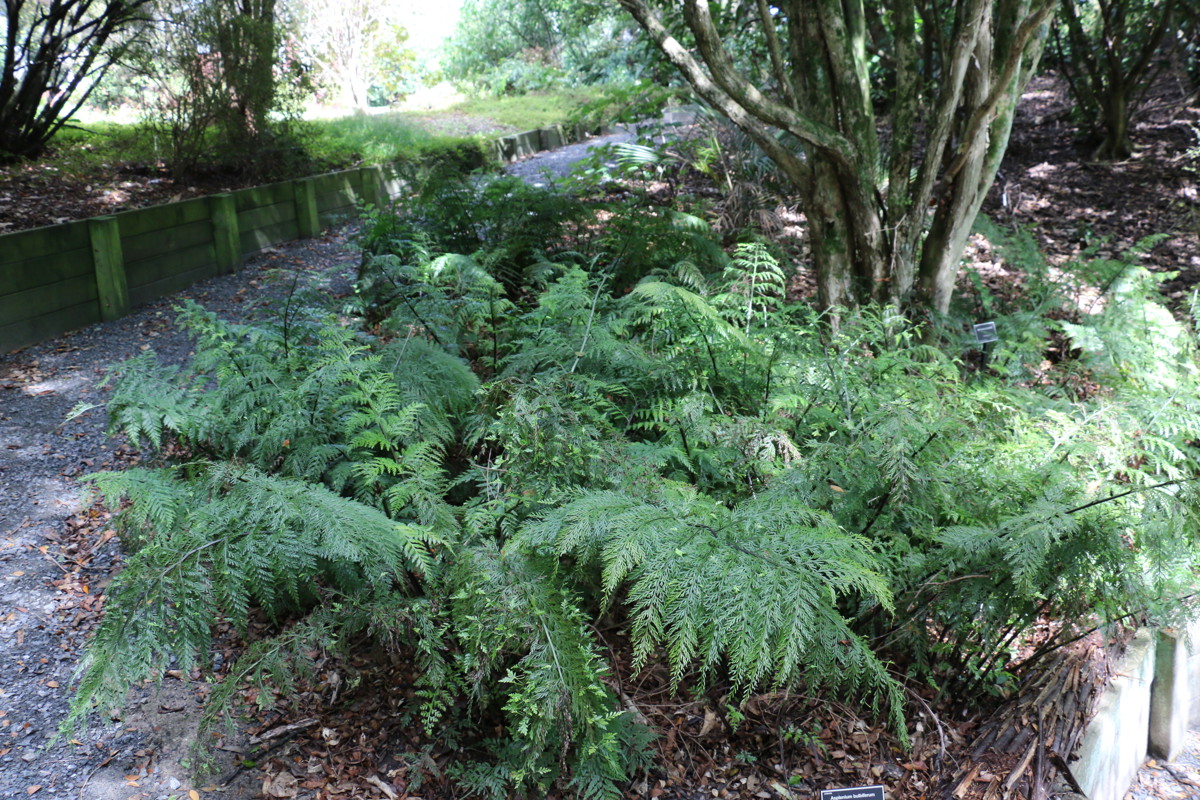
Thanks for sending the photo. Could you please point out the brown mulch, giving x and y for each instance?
(1048, 183)
(38, 193)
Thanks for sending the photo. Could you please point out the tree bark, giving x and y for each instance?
(883, 227)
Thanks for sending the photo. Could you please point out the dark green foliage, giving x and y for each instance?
(776, 564)
(1107, 52)
(517, 46)
(520, 227)
(756, 499)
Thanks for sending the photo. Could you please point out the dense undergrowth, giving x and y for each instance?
(548, 413)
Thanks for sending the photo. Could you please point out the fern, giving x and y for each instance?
(539, 423)
(778, 565)
(562, 720)
(233, 537)
(755, 284)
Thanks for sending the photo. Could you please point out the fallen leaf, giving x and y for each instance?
(193, 794)
(383, 787)
(33, 790)
(282, 785)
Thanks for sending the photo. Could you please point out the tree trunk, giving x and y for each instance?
(1115, 117)
(53, 55)
(874, 236)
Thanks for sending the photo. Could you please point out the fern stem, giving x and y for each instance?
(687, 449)
(1046, 650)
(1008, 634)
(495, 333)
(587, 331)
(883, 501)
(716, 379)
(287, 318)
(1134, 490)
(767, 384)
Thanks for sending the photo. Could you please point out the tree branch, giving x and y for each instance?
(775, 50)
(722, 86)
(983, 115)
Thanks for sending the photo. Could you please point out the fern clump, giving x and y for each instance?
(777, 565)
(516, 439)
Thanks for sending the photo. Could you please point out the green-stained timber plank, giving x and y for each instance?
(111, 287)
(17, 276)
(169, 285)
(266, 216)
(259, 196)
(527, 143)
(199, 256)
(306, 209)
(551, 138)
(342, 198)
(227, 245)
(268, 236)
(141, 221)
(44, 241)
(47, 299)
(161, 244)
(371, 183)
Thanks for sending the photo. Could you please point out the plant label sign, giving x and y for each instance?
(985, 333)
(854, 793)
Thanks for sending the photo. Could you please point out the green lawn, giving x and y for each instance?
(95, 148)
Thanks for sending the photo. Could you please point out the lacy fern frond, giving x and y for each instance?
(777, 566)
(512, 618)
(235, 537)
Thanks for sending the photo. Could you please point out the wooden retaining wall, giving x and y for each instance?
(62, 277)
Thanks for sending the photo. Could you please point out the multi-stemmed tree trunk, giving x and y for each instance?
(889, 200)
(53, 53)
(217, 96)
(1105, 49)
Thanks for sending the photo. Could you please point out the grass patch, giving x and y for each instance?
(79, 152)
(523, 112)
(108, 152)
(372, 139)
(399, 135)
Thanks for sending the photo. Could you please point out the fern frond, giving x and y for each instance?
(777, 565)
(236, 538)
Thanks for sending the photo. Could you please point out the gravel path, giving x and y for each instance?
(47, 602)
(544, 168)
(1174, 780)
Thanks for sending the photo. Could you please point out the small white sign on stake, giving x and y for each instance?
(985, 333)
(854, 793)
